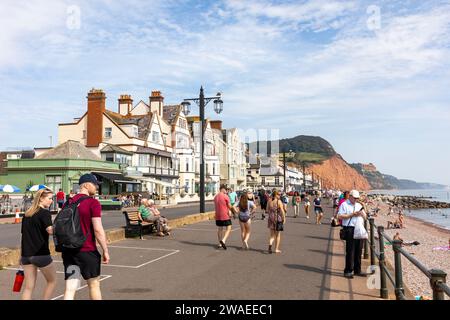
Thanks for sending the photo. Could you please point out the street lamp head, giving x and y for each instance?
(218, 105)
(186, 105)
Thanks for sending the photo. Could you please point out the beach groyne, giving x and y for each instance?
(410, 202)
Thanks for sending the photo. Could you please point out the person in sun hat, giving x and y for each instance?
(350, 212)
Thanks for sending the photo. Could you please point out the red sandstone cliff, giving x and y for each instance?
(336, 173)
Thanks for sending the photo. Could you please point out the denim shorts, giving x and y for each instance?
(38, 261)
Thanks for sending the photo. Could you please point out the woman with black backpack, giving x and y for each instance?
(35, 253)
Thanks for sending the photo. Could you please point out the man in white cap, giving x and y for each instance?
(350, 211)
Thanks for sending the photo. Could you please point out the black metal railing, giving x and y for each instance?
(437, 277)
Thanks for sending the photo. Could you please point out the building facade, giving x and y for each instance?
(140, 131)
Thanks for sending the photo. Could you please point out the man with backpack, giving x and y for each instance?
(76, 239)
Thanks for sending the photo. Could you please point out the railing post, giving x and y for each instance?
(399, 291)
(437, 276)
(384, 294)
(372, 241)
(366, 245)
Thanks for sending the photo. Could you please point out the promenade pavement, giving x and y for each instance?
(10, 233)
(188, 265)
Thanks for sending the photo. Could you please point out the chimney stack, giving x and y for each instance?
(125, 104)
(216, 124)
(157, 102)
(96, 108)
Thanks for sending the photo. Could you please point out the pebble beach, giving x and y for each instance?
(430, 238)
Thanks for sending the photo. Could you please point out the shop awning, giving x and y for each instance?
(115, 177)
(156, 181)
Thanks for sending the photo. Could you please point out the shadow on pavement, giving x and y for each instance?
(312, 269)
(325, 252)
(320, 238)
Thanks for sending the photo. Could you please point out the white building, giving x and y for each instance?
(141, 139)
(211, 156)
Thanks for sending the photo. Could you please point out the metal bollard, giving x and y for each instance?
(366, 244)
(384, 294)
(437, 276)
(372, 241)
(399, 291)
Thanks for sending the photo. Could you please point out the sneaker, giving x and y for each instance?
(307, 217)
(348, 275)
(223, 245)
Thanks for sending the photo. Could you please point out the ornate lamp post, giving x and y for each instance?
(201, 101)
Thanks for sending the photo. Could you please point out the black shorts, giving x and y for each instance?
(318, 210)
(38, 261)
(85, 263)
(223, 223)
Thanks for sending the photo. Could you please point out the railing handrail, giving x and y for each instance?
(444, 287)
(437, 277)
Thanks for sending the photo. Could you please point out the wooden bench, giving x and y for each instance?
(133, 224)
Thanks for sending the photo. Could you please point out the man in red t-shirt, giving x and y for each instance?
(60, 198)
(86, 260)
(223, 206)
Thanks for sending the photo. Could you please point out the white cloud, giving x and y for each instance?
(311, 15)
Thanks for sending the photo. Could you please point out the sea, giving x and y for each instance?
(438, 217)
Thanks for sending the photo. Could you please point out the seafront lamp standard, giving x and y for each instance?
(201, 101)
(284, 168)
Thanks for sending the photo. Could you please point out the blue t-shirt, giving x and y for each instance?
(317, 203)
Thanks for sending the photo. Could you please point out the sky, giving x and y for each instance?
(371, 77)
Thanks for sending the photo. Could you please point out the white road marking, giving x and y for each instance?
(105, 276)
(136, 248)
(169, 254)
(85, 286)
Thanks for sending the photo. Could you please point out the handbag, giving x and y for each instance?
(279, 225)
(343, 234)
(335, 222)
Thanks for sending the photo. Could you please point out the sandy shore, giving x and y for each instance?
(429, 236)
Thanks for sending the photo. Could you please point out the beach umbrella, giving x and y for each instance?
(37, 187)
(9, 188)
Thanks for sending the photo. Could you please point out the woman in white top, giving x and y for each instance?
(307, 204)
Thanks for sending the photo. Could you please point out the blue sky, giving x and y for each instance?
(371, 77)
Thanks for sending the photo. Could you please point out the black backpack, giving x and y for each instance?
(67, 232)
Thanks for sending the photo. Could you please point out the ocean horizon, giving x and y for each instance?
(438, 217)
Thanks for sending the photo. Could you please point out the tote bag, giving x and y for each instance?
(360, 232)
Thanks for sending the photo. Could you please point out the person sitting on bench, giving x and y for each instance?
(149, 212)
